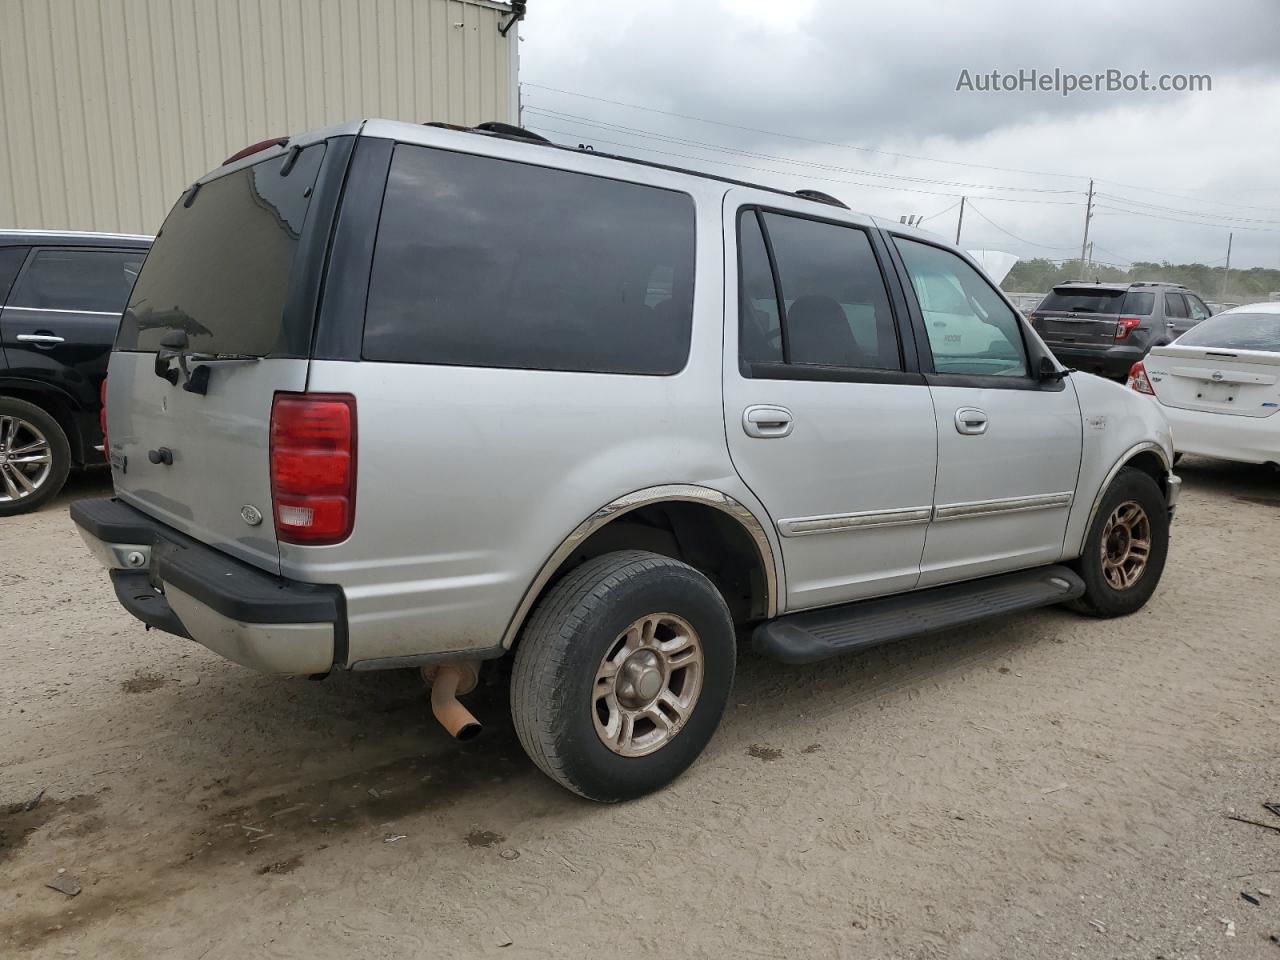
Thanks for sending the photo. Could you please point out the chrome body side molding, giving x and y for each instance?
(833, 523)
(986, 508)
(689, 493)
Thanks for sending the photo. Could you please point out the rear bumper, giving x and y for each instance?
(182, 586)
(1107, 361)
(1225, 436)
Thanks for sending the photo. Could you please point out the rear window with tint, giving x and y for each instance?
(219, 268)
(1235, 331)
(1084, 301)
(87, 281)
(484, 262)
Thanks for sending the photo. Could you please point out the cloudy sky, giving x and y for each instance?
(859, 99)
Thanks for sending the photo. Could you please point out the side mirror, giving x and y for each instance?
(177, 340)
(1050, 371)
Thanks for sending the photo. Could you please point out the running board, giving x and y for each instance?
(819, 634)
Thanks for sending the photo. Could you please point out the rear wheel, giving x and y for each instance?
(35, 457)
(622, 674)
(1126, 547)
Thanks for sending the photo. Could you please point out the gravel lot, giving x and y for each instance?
(1042, 786)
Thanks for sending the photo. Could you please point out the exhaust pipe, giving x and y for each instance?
(447, 681)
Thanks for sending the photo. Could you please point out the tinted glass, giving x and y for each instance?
(1174, 305)
(11, 259)
(220, 268)
(1138, 303)
(761, 334)
(1084, 301)
(971, 329)
(483, 262)
(93, 281)
(1235, 331)
(836, 307)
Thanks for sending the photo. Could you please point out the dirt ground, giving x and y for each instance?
(1043, 786)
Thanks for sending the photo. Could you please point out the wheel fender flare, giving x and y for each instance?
(1147, 446)
(675, 492)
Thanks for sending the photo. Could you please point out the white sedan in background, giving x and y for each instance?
(1219, 385)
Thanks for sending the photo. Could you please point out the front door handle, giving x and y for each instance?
(40, 339)
(971, 421)
(766, 422)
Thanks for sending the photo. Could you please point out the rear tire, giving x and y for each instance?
(1125, 548)
(35, 457)
(622, 674)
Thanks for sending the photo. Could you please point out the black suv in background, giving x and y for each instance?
(62, 295)
(1105, 328)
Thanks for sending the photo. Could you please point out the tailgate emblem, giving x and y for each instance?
(251, 515)
(1217, 375)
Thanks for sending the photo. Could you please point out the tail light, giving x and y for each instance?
(1138, 380)
(102, 419)
(313, 467)
(256, 148)
(1125, 325)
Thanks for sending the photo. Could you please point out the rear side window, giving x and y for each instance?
(1085, 301)
(1175, 305)
(971, 330)
(1138, 303)
(220, 267)
(484, 262)
(87, 281)
(10, 263)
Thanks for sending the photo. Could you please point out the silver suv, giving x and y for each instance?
(1105, 328)
(404, 396)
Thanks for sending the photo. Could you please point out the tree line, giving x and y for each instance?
(1243, 286)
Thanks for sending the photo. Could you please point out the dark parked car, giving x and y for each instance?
(1106, 328)
(62, 295)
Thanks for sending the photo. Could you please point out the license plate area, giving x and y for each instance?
(1209, 392)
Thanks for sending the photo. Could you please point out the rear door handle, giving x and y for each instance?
(766, 422)
(971, 421)
(40, 339)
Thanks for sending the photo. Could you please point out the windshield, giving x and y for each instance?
(220, 266)
(1235, 331)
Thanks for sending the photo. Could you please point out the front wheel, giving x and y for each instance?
(1126, 547)
(622, 674)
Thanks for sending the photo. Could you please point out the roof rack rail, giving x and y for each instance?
(820, 197)
(509, 130)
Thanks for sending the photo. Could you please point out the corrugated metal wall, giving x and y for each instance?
(110, 108)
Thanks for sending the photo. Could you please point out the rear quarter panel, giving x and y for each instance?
(469, 478)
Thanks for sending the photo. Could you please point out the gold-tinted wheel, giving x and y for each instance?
(1126, 545)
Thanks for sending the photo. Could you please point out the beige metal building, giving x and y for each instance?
(110, 108)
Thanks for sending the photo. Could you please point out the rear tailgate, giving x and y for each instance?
(235, 269)
(1087, 316)
(1241, 382)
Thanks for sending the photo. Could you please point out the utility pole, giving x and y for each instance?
(960, 222)
(1088, 215)
(1226, 271)
(1090, 264)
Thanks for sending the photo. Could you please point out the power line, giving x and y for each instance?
(792, 136)
(719, 148)
(1032, 243)
(1190, 213)
(1199, 223)
(788, 173)
(890, 153)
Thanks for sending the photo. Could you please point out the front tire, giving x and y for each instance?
(35, 457)
(622, 674)
(1126, 547)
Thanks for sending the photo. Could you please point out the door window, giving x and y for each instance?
(1197, 308)
(971, 329)
(89, 281)
(1175, 306)
(829, 307)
